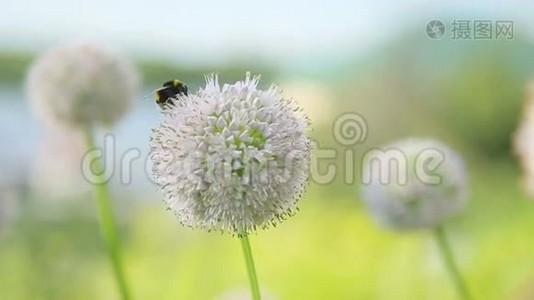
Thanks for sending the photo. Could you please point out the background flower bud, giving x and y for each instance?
(414, 183)
(81, 85)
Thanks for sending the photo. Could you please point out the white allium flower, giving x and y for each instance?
(414, 183)
(81, 85)
(524, 142)
(231, 158)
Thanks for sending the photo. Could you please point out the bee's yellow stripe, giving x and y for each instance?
(176, 82)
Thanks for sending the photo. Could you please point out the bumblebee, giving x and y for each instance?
(170, 90)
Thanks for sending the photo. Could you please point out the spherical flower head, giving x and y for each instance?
(81, 85)
(524, 142)
(233, 158)
(414, 183)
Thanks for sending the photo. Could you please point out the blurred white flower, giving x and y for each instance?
(414, 183)
(81, 85)
(314, 97)
(524, 141)
(233, 158)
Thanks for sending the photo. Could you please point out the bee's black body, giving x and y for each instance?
(170, 90)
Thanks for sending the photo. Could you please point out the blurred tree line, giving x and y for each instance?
(471, 91)
(154, 72)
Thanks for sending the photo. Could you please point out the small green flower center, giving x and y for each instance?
(257, 137)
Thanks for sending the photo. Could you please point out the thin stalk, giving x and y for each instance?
(252, 277)
(105, 214)
(450, 264)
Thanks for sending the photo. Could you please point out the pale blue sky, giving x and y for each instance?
(210, 31)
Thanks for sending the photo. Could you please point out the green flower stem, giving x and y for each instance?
(253, 279)
(107, 221)
(448, 259)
